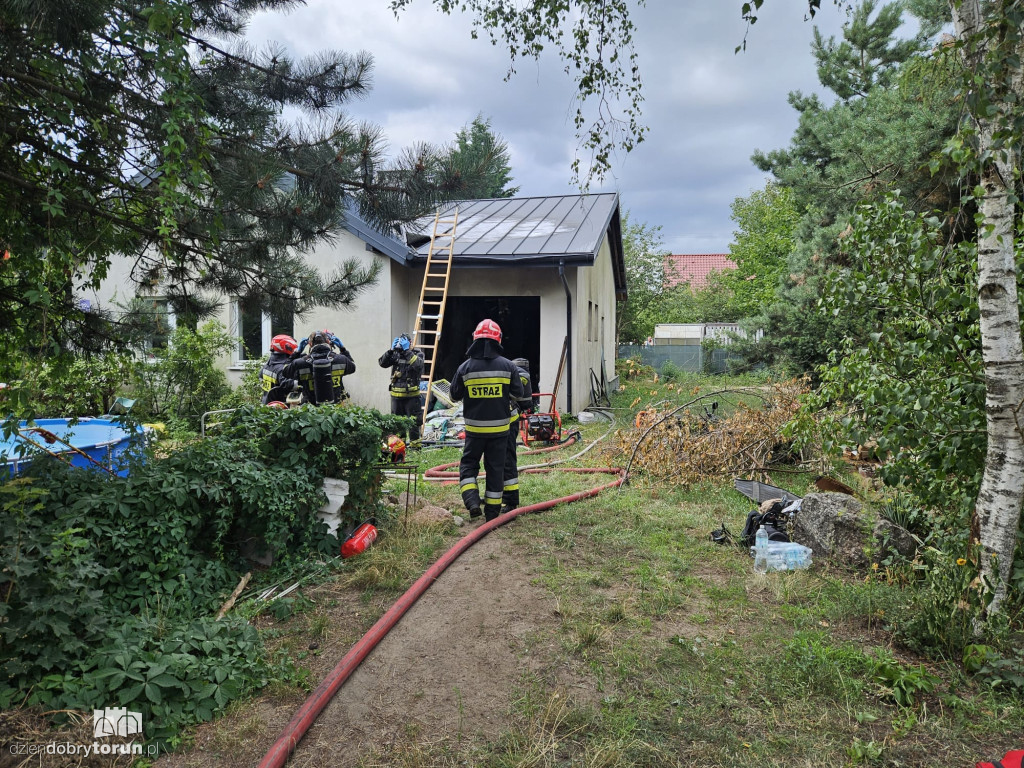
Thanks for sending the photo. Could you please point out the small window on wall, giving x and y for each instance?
(160, 323)
(255, 328)
(249, 330)
(590, 321)
(281, 322)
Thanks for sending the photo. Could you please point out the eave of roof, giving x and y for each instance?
(383, 243)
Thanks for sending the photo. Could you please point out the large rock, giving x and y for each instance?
(891, 539)
(428, 514)
(834, 526)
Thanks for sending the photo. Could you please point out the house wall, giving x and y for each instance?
(365, 326)
(387, 308)
(593, 326)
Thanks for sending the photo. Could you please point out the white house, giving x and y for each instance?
(546, 269)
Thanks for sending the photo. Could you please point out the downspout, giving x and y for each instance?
(568, 336)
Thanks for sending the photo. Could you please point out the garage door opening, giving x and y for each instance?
(518, 317)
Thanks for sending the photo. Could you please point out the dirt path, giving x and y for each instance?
(447, 669)
(446, 672)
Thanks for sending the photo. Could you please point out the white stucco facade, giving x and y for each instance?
(387, 308)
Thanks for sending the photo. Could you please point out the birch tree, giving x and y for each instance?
(989, 36)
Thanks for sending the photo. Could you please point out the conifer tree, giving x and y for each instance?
(152, 130)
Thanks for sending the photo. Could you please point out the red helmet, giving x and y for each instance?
(393, 449)
(488, 329)
(283, 343)
(278, 405)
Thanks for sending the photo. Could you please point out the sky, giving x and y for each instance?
(706, 108)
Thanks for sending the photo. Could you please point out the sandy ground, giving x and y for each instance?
(446, 673)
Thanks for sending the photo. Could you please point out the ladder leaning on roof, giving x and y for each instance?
(430, 311)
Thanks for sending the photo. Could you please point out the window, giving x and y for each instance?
(255, 328)
(160, 324)
(590, 321)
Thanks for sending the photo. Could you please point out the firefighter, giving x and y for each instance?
(278, 374)
(321, 369)
(485, 382)
(406, 366)
(520, 407)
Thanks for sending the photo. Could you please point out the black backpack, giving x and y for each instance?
(774, 521)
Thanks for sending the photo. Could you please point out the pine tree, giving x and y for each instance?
(153, 131)
(478, 153)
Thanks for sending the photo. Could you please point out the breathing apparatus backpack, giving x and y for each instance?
(323, 386)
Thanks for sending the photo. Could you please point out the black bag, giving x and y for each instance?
(774, 523)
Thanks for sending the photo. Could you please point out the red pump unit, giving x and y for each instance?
(541, 427)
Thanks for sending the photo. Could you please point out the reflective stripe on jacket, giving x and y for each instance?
(485, 385)
(406, 370)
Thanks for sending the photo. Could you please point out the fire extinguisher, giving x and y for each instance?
(359, 539)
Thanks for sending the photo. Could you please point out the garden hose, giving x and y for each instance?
(321, 697)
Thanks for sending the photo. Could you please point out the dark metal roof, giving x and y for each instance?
(388, 244)
(532, 231)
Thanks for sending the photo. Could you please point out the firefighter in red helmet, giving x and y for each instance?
(278, 377)
(485, 382)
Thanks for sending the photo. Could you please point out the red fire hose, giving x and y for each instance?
(318, 700)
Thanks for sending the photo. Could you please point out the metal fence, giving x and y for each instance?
(692, 358)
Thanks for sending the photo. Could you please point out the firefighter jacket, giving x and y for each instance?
(406, 369)
(486, 383)
(340, 365)
(526, 403)
(277, 377)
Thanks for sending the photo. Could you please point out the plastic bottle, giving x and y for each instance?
(761, 550)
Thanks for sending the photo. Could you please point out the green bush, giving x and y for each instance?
(943, 605)
(107, 584)
(67, 385)
(183, 380)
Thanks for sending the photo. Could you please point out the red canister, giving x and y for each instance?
(359, 540)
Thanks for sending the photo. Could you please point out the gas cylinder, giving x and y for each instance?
(323, 387)
(359, 539)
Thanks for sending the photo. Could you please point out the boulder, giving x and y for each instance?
(405, 499)
(892, 539)
(834, 526)
(428, 514)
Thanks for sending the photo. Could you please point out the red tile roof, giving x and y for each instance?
(694, 268)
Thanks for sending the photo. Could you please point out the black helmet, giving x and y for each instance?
(523, 363)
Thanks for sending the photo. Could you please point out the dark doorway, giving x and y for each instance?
(518, 317)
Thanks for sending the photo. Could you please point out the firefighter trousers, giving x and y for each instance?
(493, 450)
(409, 406)
(510, 478)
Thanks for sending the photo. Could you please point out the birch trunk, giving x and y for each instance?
(997, 509)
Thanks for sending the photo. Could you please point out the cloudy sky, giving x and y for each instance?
(707, 108)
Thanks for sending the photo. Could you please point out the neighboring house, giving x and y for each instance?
(694, 268)
(544, 268)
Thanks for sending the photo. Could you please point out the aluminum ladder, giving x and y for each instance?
(430, 310)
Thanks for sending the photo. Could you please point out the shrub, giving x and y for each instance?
(107, 583)
(183, 380)
(943, 605)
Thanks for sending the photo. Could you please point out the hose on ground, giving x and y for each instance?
(321, 697)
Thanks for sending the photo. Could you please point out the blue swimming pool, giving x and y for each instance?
(86, 443)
